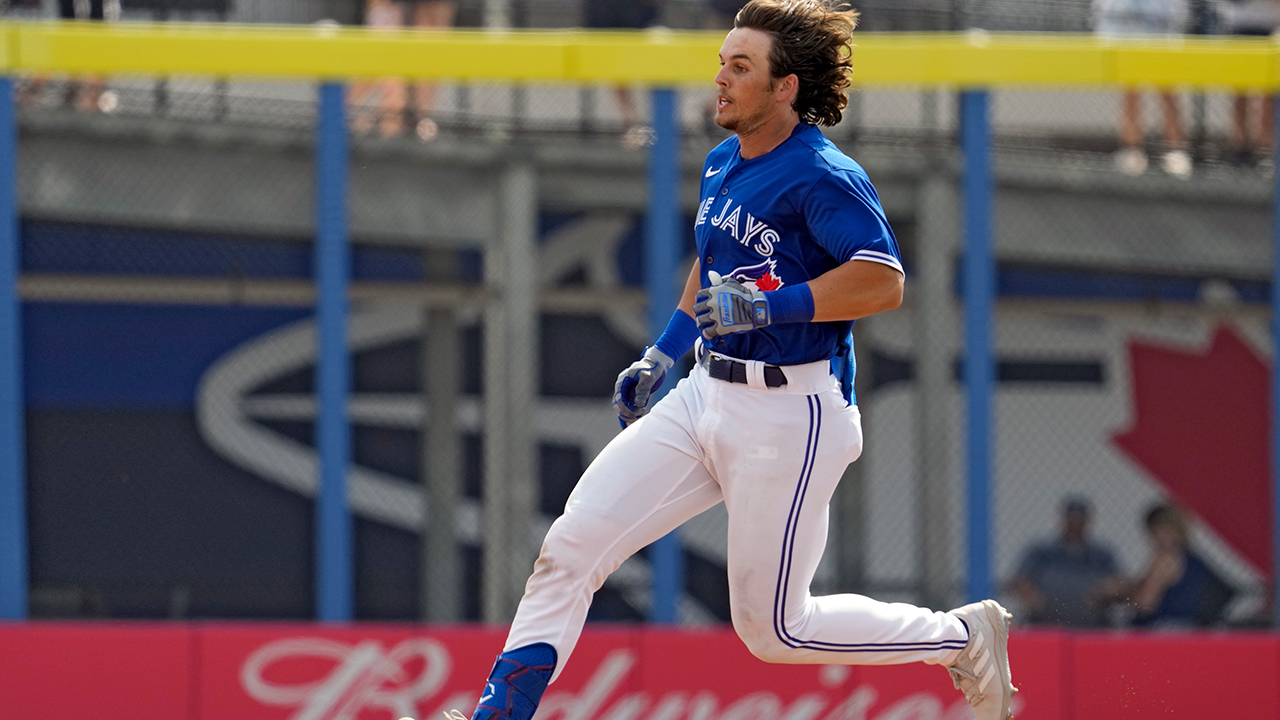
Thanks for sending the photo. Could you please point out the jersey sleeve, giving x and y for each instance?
(845, 218)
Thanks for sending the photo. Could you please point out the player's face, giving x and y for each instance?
(745, 91)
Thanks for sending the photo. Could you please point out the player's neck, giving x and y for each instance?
(766, 136)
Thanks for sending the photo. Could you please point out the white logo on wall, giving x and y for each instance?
(230, 412)
(365, 678)
(234, 415)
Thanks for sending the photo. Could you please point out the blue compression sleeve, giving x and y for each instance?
(681, 331)
(792, 304)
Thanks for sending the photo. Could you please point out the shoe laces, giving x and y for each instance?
(967, 683)
(455, 715)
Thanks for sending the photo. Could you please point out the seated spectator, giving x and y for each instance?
(1067, 580)
(1178, 589)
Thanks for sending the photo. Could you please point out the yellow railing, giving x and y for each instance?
(650, 57)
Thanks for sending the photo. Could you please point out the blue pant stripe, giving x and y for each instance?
(789, 536)
(788, 552)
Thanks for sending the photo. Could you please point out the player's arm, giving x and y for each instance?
(845, 219)
(638, 382)
(690, 288)
(856, 289)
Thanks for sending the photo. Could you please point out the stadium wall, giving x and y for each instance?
(273, 672)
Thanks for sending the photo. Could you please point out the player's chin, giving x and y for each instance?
(726, 120)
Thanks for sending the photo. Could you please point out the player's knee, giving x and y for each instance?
(761, 638)
(571, 552)
(765, 644)
(562, 549)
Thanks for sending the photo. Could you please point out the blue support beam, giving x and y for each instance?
(979, 292)
(1275, 376)
(13, 502)
(335, 586)
(662, 255)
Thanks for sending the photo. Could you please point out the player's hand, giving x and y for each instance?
(636, 384)
(728, 306)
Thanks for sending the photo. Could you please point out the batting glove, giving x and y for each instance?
(728, 306)
(637, 383)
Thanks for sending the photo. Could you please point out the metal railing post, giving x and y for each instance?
(979, 289)
(662, 254)
(1275, 376)
(334, 575)
(13, 521)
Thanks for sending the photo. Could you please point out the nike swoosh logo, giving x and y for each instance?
(711, 172)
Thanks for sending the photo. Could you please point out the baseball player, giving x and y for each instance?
(792, 247)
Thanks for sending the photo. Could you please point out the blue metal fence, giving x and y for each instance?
(1275, 380)
(335, 582)
(13, 526)
(662, 256)
(979, 291)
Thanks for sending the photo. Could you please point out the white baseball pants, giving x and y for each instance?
(774, 457)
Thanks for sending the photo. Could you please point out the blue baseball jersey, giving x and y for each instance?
(785, 218)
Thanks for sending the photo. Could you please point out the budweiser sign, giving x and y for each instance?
(276, 671)
(317, 678)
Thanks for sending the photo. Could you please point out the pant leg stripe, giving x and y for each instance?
(788, 553)
(793, 521)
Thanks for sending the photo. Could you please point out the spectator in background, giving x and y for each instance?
(1069, 579)
(89, 95)
(431, 14)
(1136, 18)
(390, 92)
(626, 15)
(1251, 139)
(1178, 588)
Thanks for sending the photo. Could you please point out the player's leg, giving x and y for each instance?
(778, 470)
(777, 500)
(646, 482)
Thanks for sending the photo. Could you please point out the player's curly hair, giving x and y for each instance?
(811, 38)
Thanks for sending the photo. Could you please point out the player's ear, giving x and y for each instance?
(787, 88)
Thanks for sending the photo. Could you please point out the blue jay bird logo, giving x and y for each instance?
(761, 276)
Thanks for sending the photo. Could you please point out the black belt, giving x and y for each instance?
(722, 368)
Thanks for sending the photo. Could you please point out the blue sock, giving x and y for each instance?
(516, 684)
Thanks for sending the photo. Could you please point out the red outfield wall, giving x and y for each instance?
(382, 672)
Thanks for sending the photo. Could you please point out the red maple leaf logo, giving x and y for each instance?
(1201, 428)
(768, 282)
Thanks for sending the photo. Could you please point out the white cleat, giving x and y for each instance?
(981, 671)
(452, 715)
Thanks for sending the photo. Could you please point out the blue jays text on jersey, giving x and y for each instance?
(785, 218)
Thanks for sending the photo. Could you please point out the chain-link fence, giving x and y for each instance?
(170, 343)
(1133, 336)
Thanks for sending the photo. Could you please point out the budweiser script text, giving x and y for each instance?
(364, 681)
